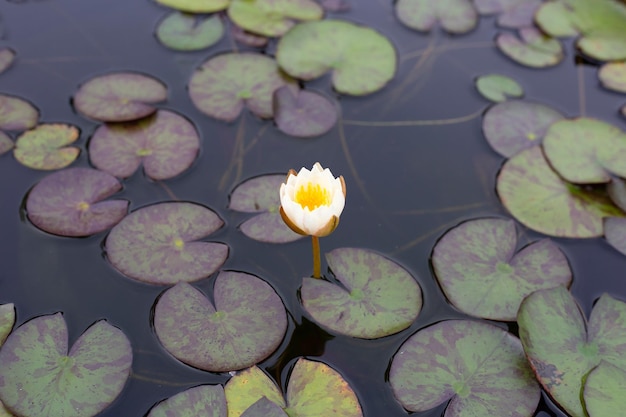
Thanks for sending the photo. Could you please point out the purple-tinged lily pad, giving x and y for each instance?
(479, 368)
(246, 324)
(69, 202)
(336, 6)
(159, 244)
(166, 143)
(498, 88)
(185, 32)
(247, 387)
(361, 59)
(247, 38)
(617, 192)
(225, 83)
(586, 151)
(538, 198)
(119, 97)
(264, 408)
(377, 297)
(272, 17)
(513, 126)
(512, 13)
(40, 377)
(200, 401)
(615, 233)
(17, 114)
(613, 76)
(534, 49)
(7, 321)
(478, 270)
(562, 348)
(6, 144)
(45, 146)
(303, 113)
(259, 195)
(455, 16)
(604, 391)
(7, 55)
(196, 6)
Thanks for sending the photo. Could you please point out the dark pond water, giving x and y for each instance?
(406, 185)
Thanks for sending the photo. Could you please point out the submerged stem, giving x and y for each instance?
(317, 262)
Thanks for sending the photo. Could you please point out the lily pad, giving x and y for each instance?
(604, 391)
(617, 192)
(45, 146)
(196, 6)
(272, 17)
(562, 348)
(479, 368)
(245, 326)
(159, 244)
(455, 16)
(303, 113)
(17, 114)
(555, 19)
(6, 144)
(70, 202)
(247, 38)
(586, 151)
(7, 321)
(40, 377)
(185, 32)
(200, 401)
(479, 272)
(7, 55)
(537, 197)
(361, 60)
(225, 83)
(259, 195)
(264, 408)
(119, 97)
(166, 143)
(377, 297)
(615, 233)
(247, 387)
(613, 76)
(513, 126)
(511, 13)
(533, 49)
(498, 88)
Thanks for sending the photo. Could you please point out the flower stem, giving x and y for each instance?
(317, 262)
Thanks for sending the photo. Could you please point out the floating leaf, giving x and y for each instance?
(40, 377)
(537, 197)
(249, 386)
(245, 326)
(604, 391)
(6, 144)
(185, 32)
(45, 146)
(7, 320)
(555, 19)
(512, 13)
(69, 202)
(159, 244)
(478, 270)
(586, 151)
(478, 367)
(225, 83)
(377, 297)
(497, 87)
(455, 16)
(166, 144)
(335, 5)
(260, 195)
(303, 113)
(617, 192)
(7, 55)
(196, 6)
(272, 17)
(513, 126)
(17, 114)
(264, 408)
(533, 50)
(247, 38)
(361, 60)
(613, 76)
(562, 348)
(119, 97)
(200, 401)
(615, 233)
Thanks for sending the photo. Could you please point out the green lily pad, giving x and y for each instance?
(479, 368)
(562, 348)
(314, 389)
(537, 197)
(70, 202)
(6, 144)
(513, 126)
(498, 88)
(159, 244)
(45, 146)
(119, 97)
(586, 151)
(264, 408)
(16, 113)
(479, 272)
(455, 16)
(185, 32)
(533, 50)
(245, 326)
(7, 321)
(615, 233)
(511, 13)
(260, 195)
(165, 143)
(377, 297)
(225, 83)
(361, 60)
(604, 391)
(40, 377)
(196, 6)
(555, 19)
(7, 56)
(247, 38)
(272, 17)
(613, 76)
(200, 401)
(303, 113)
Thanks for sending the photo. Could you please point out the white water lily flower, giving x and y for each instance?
(312, 201)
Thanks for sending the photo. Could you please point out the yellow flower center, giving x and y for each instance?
(312, 196)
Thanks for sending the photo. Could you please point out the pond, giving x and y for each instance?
(415, 161)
